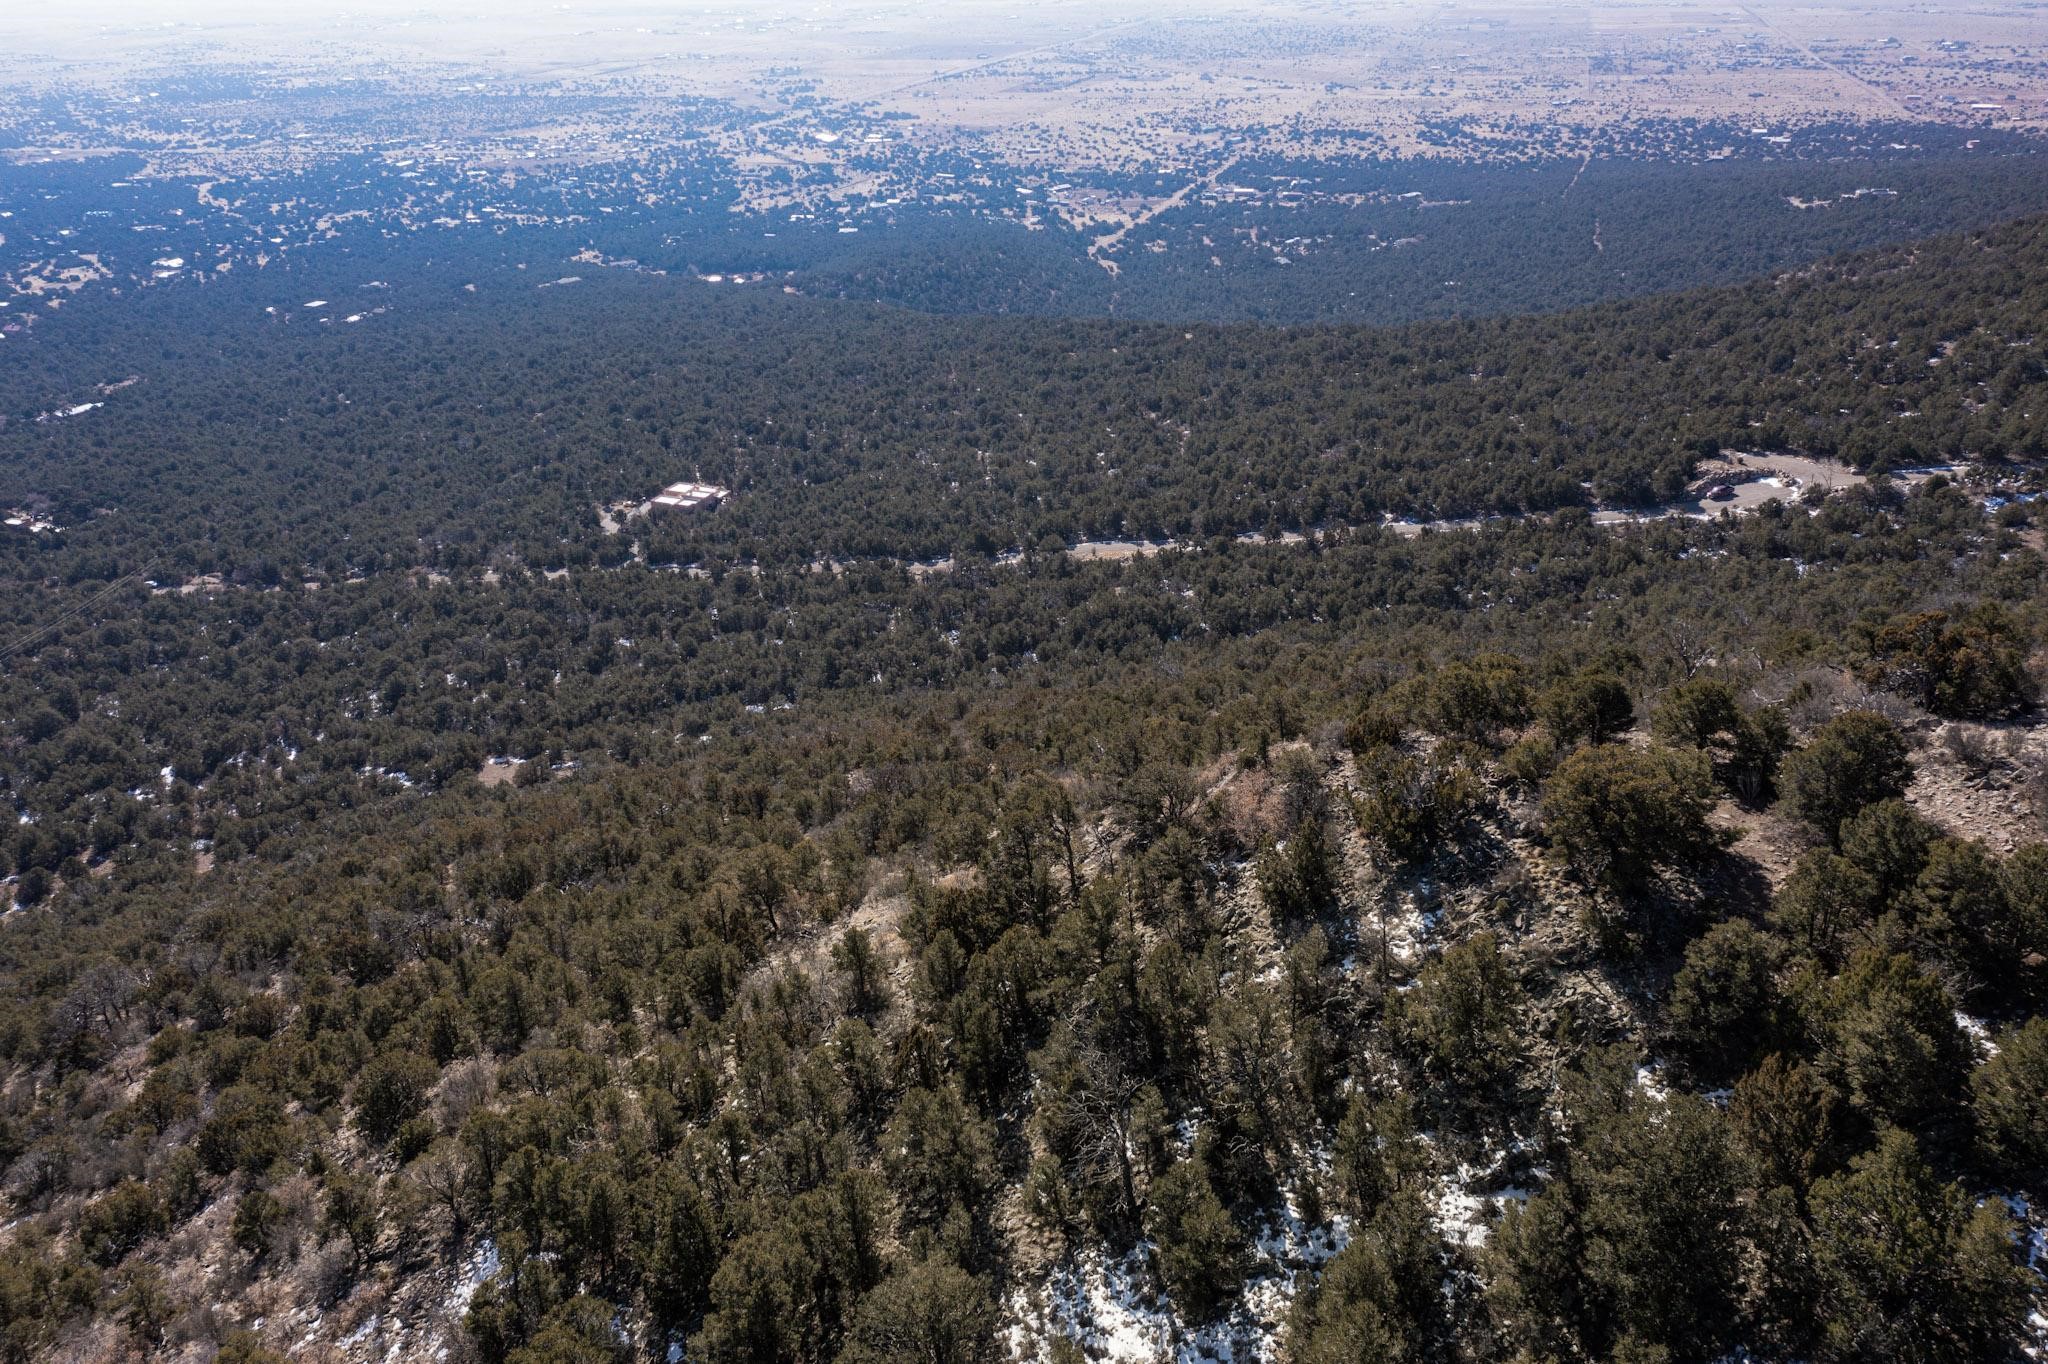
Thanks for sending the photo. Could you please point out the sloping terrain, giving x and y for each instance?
(444, 932)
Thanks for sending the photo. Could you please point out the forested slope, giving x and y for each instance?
(1393, 241)
(460, 426)
(1553, 941)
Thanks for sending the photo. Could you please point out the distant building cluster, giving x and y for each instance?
(689, 496)
(29, 521)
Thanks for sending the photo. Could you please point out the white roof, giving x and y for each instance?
(688, 495)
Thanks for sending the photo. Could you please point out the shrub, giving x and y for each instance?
(2011, 1097)
(1960, 911)
(1619, 813)
(392, 1091)
(1826, 895)
(243, 1347)
(1888, 843)
(1464, 1016)
(247, 1129)
(1973, 668)
(1374, 726)
(1721, 1002)
(1590, 706)
(1697, 713)
(1661, 1212)
(1300, 881)
(1373, 1301)
(1784, 1114)
(1913, 1269)
(1895, 1046)
(1407, 804)
(2025, 874)
(1854, 760)
(258, 1220)
(1706, 713)
(1475, 698)
(933, 1311)
(1531, 760)
(1201, 1251)
(120, 1220)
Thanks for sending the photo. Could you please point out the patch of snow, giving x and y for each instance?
(1107, 1307)
(1467, 1199)
(1410, 928)
(479, 1269)
(1460, 1212)
(1978, 1033)
(1114, 1310)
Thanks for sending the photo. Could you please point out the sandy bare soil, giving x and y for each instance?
(1985, 782)
(499, 771)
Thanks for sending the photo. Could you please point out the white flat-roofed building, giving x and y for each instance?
(689, 496)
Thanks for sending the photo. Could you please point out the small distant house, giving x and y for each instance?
(689, 496)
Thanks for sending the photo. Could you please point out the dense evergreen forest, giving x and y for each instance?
(1484, 230)
(1401, 240)
(845, 925)
(460, 427)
